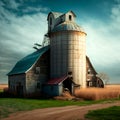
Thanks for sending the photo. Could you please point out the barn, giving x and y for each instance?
(28, 75)
(58, 65)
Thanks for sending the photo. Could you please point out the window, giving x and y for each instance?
(50, 21)
(70, 17)
(9, 82)
(89, 71)
(37, 70)
(38, 85)
(90, 84)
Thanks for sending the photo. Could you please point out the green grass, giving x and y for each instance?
(112, 113)
(12, 105)
(1, 91)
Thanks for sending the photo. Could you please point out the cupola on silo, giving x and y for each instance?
(67, 47)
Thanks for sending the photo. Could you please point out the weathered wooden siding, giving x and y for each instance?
(35, 80)
(14, 81)
(92, 80)
(90, 74)
(67, 17)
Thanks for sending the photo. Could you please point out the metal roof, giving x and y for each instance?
(55, 14)
(67, 26)
(58, 14)
(56, 81)
(26, 63)
(87, 59)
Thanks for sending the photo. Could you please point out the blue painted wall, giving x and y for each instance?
(52, 90)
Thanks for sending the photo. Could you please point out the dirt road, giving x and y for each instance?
(59, 113)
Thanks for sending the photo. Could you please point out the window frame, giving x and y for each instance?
(37, 70)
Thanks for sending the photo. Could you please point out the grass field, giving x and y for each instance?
(1, 90)
(12, 105)
(112, 113)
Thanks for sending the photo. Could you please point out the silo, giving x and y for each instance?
(68, 52)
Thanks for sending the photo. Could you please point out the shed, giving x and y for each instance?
(56, 86)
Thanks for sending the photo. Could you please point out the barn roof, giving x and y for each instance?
(26, 63)
(87, 59)
(56, 81)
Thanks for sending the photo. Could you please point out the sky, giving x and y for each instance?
(24, 22)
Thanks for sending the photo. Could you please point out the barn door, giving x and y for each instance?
(19, 89)
(68, 84)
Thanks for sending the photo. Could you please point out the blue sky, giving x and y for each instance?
(24, 22)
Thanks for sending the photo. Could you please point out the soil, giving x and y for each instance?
(59, 113)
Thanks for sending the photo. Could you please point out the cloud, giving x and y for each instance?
(115, 15)
(19, 33)
(12, 4)
(21, 7)
(34, 9)
(17, 36)
(103, 42)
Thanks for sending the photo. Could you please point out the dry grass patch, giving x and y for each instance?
(3, 86)
(98, 93)
(65, 96)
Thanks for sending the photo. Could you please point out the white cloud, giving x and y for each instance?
(103, 43)
(115, 16)
(17, 37)
(34, 9)
(18, 34)
(10, 4)
(103, 38)
(23, 31)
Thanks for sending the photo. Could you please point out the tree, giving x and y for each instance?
(104, 77)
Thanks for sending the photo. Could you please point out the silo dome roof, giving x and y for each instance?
(67, 26)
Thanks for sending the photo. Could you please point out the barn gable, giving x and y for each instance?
(27, 62)
(89, 66)
(92, 80)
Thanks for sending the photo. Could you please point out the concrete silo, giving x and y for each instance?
(67, 47)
